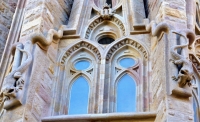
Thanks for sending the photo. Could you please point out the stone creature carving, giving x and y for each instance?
(13, 82)
(107, 12)
(157, 29)
(186, 72)
(52, 36)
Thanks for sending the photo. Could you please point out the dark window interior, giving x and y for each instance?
(109, 2)
(146, 8)
(105, 40)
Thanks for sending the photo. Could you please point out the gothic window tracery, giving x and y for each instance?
(124, 80)
(79, 78)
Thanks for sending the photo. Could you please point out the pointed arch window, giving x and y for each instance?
(79, 96)
(126, 94)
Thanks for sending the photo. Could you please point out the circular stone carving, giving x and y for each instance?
(127, 62)
(81, 65)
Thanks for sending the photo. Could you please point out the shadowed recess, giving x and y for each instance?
(106, 40)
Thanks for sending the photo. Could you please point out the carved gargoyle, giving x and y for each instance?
(13, 82)
(186, 71)
(107, 12)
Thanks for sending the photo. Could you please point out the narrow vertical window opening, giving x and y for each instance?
(146, 8)
(126, 94)
(79, 96)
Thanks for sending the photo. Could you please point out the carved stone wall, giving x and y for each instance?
(66, 31)
(42, 15)
(7, 9)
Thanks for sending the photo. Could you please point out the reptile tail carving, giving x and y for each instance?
(174, 48)
(26, 63)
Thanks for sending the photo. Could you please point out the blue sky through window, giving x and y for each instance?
(127, 62)
(126, 94)
(82, 65)
(195, 107)
(79, 97)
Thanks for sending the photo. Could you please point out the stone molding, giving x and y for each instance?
(103, 117)
(99, 20)
(125, 42)
(79, 45)
(52, 36)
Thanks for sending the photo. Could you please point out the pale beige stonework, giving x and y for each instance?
(47, 37)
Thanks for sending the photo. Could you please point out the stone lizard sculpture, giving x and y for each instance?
(13, 82)
(186, 72)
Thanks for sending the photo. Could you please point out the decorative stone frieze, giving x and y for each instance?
(130, 42)
(99, 20)
(78, 46)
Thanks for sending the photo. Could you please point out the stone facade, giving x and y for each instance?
(48, 38)
(6, 15)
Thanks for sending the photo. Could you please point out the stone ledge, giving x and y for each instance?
(141, 116)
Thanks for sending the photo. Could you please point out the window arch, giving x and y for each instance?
(79, 96)
(126, 63)
(80, 68)
(126, 94)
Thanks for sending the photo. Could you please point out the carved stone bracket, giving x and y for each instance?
(78, 46)
(13, 83)
(157, 30)
(99, 20)
(125, 42)
(45, 42)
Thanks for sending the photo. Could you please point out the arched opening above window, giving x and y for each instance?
(79, 96)
(126, 94)
(106, 40)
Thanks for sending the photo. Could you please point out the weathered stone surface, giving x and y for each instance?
(65, 32)
(7, 9)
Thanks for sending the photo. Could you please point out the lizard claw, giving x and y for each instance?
(173, 61)
(174, 78)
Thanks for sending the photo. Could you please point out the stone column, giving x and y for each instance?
(171, 107)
